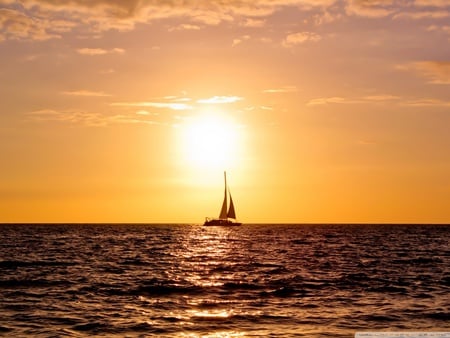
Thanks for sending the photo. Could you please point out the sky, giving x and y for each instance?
(319, 110)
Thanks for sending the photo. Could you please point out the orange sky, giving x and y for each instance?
(130, 111)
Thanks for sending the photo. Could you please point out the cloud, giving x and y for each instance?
(85, 93)
(254, 23)
(432, 3)
(345, 100)
(285, 89)
(145, 113)
(366, 142)
(426, 103)
(89, 119)
(371, 8)
(437, 72)
(327, 100)
(326, 17)
(41, 19)
(70, 116)
(220, 99)
(240, 40)
(379, 98)
(163, 105)
(50, 19)
(99, 51)
(15, 25)
(184, 27)
(299, 38)
(416, 9)
(107, 71)
(434, 28)
(422, 15)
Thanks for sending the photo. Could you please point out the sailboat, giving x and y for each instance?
(227, 215)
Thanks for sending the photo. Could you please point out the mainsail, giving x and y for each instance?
(225, 212)
(231, 212)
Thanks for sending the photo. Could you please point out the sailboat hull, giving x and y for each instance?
(221, 222)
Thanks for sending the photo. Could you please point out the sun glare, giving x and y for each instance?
(210, 141)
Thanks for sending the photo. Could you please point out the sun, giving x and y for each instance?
(210, 141)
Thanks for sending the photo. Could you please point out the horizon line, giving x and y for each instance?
(247, 223)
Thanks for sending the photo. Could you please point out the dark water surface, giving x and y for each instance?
(254, 280)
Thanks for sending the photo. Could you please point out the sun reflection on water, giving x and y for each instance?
(217, 334)
(213, 314)
(203, 286)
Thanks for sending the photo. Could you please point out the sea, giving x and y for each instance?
(260, 280)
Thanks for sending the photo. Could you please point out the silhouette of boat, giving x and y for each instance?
(227, 215)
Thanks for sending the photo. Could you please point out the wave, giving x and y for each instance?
(164, 288)
(31, 283)
(12, 264)
(380, 318)
(445, 316)
(92, 327)
(256, 281)
(284, 291)
(4, 329)
(240, 285)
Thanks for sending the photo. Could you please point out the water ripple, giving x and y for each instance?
(260, 280)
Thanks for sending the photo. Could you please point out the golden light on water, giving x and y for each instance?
(218, 314)
(218, 334)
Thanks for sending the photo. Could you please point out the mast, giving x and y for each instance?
(223, 211)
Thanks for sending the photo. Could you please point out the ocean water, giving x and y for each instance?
(250, 281)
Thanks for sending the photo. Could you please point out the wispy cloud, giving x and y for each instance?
(436, 72)
(99, 51)
(85, 93)
(443, 28)
(107, 71)
(69, 116)
(382, 98)
(220, 99)
(145, 113)
(432, 3)
(266, 108)
(285, 89)
(379, 98)
(89, 119)
(426, 103)
(184, 27)
(298, 38)
(163, 105)
(239, 40)
(254, 23)
(327, 100)
(366, 142)
(371, 9)
(422, 15)
(176, 103)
